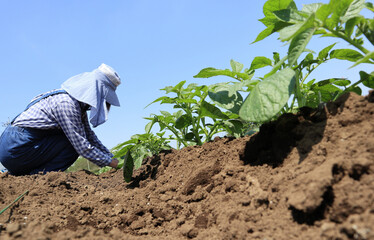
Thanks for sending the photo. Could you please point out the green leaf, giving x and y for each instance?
(365, 59)
(327, 92)
(183, 121)
(234, 127)
(337, 8)
(236, 66)
(343, 10)
(227, 86)
(325, 52)
(350, 25)
(269, 21)
(271, 6)
(346, 54)
(263, 34)
(242, 76)
(320, 32)
(268, 97)
(311, 8)
(276, 67)
(138, 154)
(168, 100)
(158, 100)
(189, 136)
(209, 110)
(277, 26)
(292, 6)
(276, 57)
(178, 114)
(366, 26)
(290, 32)
(120, 146)
(165, 113)
(367, 79)
(149, 126)
(260, 62)
(250, 84)
(298, 45)
(123, 151)
(226, 98)
(322, 93)
(353, 10)
(177, 87)
(187, 101)
(332, 81)
(308, 61)
(310, 83)
(128, 167)
(312, 99)
(369, 6)
(211, 72)
(323, 12)
(341, 82)
(289, 15)
(354, 89)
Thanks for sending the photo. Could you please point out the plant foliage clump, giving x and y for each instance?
(288, 77)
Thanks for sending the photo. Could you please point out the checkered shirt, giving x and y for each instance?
(61, 111)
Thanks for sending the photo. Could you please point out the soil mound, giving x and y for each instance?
(305, 176)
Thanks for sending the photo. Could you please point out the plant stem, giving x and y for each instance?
(347, 39)
(195, 129)
(212, 131)
(204, 129)
(177, 136)
(293, 103)
(18, 198)
(311, 70)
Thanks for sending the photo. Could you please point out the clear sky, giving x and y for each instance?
(151, 44)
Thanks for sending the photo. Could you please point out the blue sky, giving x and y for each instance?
(151, 44)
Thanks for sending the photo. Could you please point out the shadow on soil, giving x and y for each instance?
(276, 139)
(150, 165)
(309, 218)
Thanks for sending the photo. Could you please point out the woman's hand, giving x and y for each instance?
(114, 163)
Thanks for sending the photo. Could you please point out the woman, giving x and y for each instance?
(54, 128)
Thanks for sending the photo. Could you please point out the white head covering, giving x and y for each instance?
(95, 88)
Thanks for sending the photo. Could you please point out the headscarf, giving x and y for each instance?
(95, 89)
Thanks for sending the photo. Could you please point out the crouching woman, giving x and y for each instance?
(54, 129)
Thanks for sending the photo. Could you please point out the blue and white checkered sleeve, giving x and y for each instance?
(91, 136)
(68, 116)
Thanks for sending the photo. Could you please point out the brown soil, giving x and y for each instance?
(306, 176)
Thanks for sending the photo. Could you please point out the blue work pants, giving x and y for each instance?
(25, 151)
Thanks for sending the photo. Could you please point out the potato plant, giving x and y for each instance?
(132, 152)
(197, 121)
(340, 19)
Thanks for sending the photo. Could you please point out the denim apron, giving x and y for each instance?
(25, 151)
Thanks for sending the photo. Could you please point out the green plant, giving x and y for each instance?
(337, 19)
(227, 94)
(269, 96)
(132, 152)
(197, 121)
